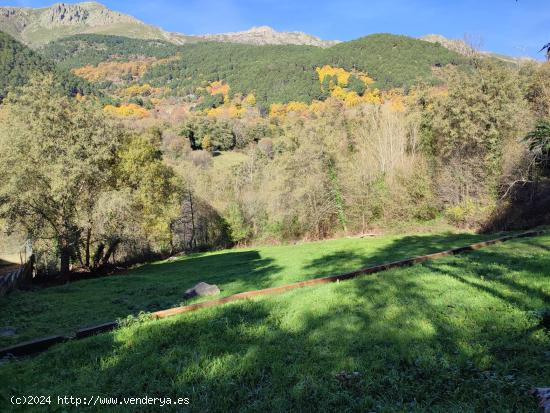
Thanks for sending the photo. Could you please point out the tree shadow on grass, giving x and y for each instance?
(162, 285)
(419, 339)
(402, 248)
(61, 310)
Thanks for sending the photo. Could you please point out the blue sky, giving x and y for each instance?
(517, 28)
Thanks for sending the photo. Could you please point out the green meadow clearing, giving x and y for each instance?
(460, 334)
(162, 285)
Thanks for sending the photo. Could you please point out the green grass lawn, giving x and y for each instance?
(460, 334)
(162, 285)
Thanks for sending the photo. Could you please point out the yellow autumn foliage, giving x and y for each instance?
(372, 96)
(296, 107)
(250, 100)
(342, 75)
(206, 143)
(235, 111)
(277, 110)
(215, 112)
(137, 90)
(352, 99)
(339, 93)
(317, 106)
(130, 110)
(396, 100)
(366, 79)
(281, 110)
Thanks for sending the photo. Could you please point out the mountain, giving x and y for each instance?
(462, 47)
(285, 73)
(37, 27)
(274, 73)
(456, 45)
(264, 35)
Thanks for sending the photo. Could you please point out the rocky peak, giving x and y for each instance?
(261, 29)
(261, 35)
(456, 45)
(37, 26)
(87, 13)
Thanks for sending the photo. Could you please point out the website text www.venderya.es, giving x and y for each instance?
(96, 400)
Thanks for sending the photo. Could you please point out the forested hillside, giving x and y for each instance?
(91, 49)
(274, 73)
(18, 63)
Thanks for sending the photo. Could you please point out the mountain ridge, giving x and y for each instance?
(38, 26)
(462, 47)
(261, 35)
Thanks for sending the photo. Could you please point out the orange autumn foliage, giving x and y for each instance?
(115, 70)
(112, 70)
(218, 88)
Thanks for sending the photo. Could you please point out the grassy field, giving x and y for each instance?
(460, 334)
(162, 285)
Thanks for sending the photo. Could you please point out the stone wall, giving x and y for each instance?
(17, 278)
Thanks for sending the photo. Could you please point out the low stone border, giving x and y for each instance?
(93, 330)
(32, 347)
(36, 346)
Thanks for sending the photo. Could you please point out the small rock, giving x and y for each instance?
(543, 395)
(348, 378)
(8, 332)
(202, 289)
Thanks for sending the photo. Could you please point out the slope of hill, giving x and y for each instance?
(266, 35)
(462, 334)
(456, 45)
(91, 49)
(462, 47)
(393, 60)
(287, 73)
(289, 266)
(274, 73)
(18, 63)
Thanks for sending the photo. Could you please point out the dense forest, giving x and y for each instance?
(178, 148)
(275, 74)
(91, 49)
(18, 63)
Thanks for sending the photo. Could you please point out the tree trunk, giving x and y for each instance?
(110, 251)
(192, 210)
(65, 262)
(98, 254)
(87, 247)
